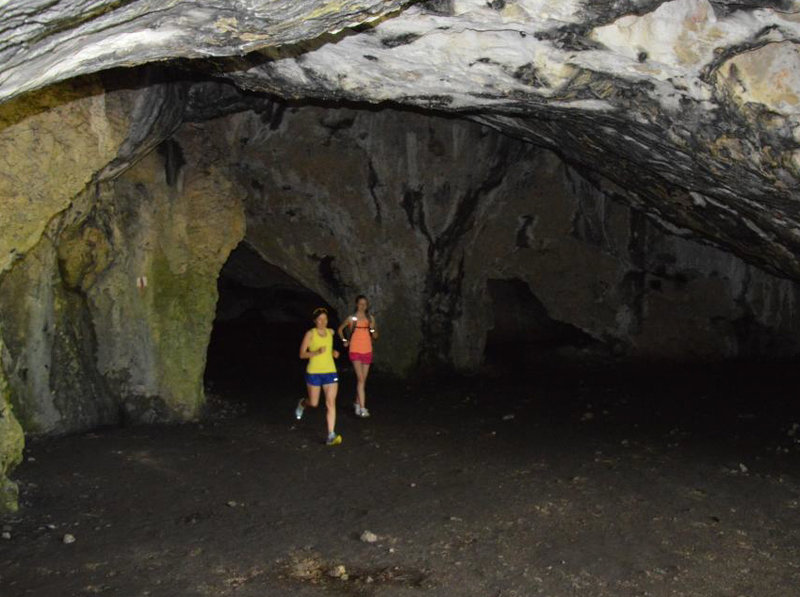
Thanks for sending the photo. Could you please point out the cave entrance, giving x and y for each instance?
(262, 314)
(523, 334)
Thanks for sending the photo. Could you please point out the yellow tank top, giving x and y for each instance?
(321, 363)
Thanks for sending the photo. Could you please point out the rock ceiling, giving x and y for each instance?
(686, 108)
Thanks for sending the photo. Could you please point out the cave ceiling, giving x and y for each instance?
(688, 109)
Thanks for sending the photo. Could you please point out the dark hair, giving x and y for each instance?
(358, 298)
(317, 312)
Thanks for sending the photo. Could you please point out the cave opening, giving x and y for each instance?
(262, 314)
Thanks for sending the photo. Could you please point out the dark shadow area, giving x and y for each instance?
(735, 409)
(633, 480)
(262, 314)
(522, 330)
(543, 370)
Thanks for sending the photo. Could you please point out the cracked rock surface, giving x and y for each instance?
(689, 106)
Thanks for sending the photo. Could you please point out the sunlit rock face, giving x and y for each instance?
(107, 318)
(690, 106)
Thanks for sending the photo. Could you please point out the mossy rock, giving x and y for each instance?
(83, 254)
(184, 304)
(12, 442)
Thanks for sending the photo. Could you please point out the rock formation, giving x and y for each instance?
(423, 214)
(695, 99)
(655, 213)
(101, 286)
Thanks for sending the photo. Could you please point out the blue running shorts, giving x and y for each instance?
(321, 379)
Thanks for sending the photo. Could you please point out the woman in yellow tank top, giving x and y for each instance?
(317, 347)
(363, 330)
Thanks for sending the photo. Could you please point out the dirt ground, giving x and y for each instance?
(556, 481)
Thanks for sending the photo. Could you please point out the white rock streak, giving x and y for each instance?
(38, 37)
(88, 54)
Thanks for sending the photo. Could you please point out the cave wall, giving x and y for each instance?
(171, 229)
(53, 143)
(108, 288)
(11, 445)
(373, 202)
(88, 209)
(107, 318)
(41, 175)
(419, 212)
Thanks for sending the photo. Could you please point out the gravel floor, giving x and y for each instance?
(673, 481)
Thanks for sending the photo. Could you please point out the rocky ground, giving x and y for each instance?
(560, 481)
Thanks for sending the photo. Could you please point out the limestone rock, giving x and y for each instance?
(50, 347)
(65, 247)
(350, 210)
(172, 224)
(68, 39)
(12, 443)
(595, 81)
(41, 171)
(58, 144)
(689, 106)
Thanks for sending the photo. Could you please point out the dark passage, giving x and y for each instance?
(262, 315)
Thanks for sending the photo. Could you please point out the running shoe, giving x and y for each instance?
(357, 408)
(298, 412)
(334, 439)
(364, 413)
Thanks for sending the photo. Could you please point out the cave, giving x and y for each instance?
(261, 316)
(578, 227)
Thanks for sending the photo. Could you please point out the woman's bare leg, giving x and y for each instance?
(330, 404)
(313, 396)
(362, 370)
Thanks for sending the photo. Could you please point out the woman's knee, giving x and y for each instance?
(313, 397)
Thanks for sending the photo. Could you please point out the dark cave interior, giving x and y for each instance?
(262, 314)
(523, 332)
